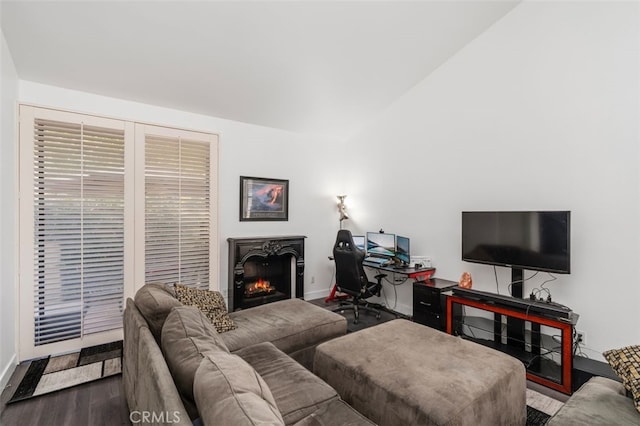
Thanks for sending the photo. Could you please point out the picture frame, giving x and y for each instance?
(263, 199)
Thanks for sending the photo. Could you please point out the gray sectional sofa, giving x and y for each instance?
(600, 401)
(177, 369)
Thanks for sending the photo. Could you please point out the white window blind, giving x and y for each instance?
(78, 203)
(178, 228)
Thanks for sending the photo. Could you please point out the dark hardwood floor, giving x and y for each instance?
(366, 318)
(97, 403)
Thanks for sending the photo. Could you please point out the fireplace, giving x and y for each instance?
(264, 270)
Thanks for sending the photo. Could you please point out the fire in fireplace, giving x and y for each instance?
(259, 288)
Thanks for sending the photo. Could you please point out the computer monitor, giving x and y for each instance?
(359, 241)
(381, 244)
(402, 249)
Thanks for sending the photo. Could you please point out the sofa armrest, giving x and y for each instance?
(151, 394)
(600, 401)
(156, 393)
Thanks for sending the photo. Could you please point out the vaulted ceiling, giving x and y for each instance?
(320, 67)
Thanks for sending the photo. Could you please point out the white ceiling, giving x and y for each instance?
(305, 66)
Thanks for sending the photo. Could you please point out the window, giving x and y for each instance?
(178, 205)
(105, 206)
(79, 229)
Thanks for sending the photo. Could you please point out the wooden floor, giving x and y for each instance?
(367, 319)
(97, 403)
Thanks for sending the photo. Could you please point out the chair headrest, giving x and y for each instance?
(344, 241)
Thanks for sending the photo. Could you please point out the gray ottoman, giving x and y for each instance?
(403, 373)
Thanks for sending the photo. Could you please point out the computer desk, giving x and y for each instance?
(409, 272)
(417, 274)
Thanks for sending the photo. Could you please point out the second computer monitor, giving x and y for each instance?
(381, 244)
(359, 241)
(402, 249)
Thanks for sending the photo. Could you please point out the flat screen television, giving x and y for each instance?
(534, 240)
(381, 244)
(402, 249)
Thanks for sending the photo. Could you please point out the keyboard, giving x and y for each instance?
(527, 305)
(381, 261)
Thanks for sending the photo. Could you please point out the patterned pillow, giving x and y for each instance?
(211, 303)
(626, 363)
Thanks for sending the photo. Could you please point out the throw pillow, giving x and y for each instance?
(228, 391)
(626, 363)
(211, 303)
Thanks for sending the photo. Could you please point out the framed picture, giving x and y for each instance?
(263, 199)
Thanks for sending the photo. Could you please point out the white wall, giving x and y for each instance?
(8, 221)
(540, 112)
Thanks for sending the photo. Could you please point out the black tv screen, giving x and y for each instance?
(538, 241)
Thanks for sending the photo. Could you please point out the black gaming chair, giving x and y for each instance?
(350, 276)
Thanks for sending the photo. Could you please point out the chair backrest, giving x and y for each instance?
(350, 274)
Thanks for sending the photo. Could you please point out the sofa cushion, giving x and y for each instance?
(154, 301)
(626, 363)
(290, 325)
(335, 412)
(211, 303)
(297, 391)
(600, 401)
(228, 391)
(186, 336)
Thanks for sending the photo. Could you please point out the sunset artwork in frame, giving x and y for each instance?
(264, 199)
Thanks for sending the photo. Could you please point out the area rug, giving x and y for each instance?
(540, 407)
(536, 417)
(54, 373)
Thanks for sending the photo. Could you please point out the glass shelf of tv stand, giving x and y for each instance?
(544, 347)
(545, 364)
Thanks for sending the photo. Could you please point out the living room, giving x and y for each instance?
(537, 110)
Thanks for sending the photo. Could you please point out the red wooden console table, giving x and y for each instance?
(540, 369)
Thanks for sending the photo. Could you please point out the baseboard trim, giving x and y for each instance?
(7, 371)
(318, 294)
(404, 309)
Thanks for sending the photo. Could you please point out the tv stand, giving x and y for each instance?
(515, 326)
(548, 360)
(517, 282)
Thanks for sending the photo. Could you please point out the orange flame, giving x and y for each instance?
(260, 286)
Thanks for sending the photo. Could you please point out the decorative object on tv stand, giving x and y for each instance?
(342, 209)
(264, 199)
(465, 280)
